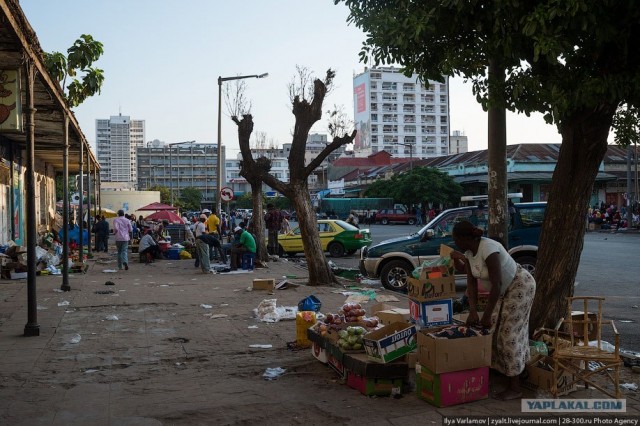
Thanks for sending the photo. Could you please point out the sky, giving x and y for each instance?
(162, 60)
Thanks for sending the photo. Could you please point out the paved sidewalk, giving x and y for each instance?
(169, 360)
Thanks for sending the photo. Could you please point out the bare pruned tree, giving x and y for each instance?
(238, 105)
(307, 100)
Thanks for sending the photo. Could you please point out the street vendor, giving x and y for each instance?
(149, 245)
(246, 244)
(512, 289)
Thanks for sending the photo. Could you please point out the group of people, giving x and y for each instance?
(610, 217)
(207, 234)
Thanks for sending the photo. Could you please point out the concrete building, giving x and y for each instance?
(401, 115)
(179, 165)
(458, 143)
(117, 140)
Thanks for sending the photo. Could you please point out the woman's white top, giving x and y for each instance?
(478, 263)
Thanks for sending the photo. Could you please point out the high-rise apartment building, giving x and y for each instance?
(117, 140)
(178, 166)
(401, 115)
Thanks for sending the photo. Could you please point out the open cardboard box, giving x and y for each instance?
(446, 355)
(388, 314)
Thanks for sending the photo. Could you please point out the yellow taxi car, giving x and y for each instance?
(337, 237)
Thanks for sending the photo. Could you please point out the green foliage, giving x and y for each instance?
(165, 193)
(191, 198)
(627, 125)
(244, 201)
(560, 57)
(421, 185)
(84, 52)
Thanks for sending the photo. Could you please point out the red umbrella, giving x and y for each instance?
(157, 207)
(165, 215)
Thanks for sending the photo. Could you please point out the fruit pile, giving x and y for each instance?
(351, 338)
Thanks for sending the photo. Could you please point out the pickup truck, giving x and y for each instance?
(393, 260)
(387, 216)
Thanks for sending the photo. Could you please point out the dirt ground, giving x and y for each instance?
(167, 359)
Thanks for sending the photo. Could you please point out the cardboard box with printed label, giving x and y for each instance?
(264, 284)
(388, 314)
(431, 289)
(390, 342)
(442, 355)
(538, 375)
(432, 313)
(453, 388)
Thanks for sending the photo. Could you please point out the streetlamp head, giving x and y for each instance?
(263, 75)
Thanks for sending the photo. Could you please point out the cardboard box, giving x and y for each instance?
(361, 365)
(390, 342)
(432, 313)
(388, 314)
(264, 284)
(453, 388)
(431, 289)
(412, 359)
(334, 360)
(18, 275)
(319, 352)
(538, 374)
(374, 386)
(446, 355)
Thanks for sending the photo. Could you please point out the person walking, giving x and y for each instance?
(418, 216)
(273, 223)
(202, 248)
(123, 229)
(512, 289)
(246, 244)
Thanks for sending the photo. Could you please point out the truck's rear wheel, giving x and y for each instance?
(394, 275)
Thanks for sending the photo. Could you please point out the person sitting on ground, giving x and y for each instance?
(148, 245)
(246, 244)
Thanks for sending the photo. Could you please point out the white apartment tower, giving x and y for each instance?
(401, 115)
(117, 140)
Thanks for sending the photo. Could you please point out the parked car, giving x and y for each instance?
(386, 216)
(393, 260)
(336, 236)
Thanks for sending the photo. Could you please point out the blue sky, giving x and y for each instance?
(162, 60)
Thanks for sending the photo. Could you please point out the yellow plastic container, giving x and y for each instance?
(304, 320)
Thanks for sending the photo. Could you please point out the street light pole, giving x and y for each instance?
(219, 177)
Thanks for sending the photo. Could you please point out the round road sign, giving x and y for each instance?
(226, 194)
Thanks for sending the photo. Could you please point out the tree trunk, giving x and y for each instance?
(497, 174)
(319, 271)
(584, 144)
(257, 220)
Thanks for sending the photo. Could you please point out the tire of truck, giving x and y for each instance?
(411, 221)
(283, 253)
(336, 250)
(394, 275)
(528, 263)
(384, 221)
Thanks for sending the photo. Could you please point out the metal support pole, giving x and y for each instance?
(32, 328)
(90, 217)
(65, 206)
(219, 178)
(80, 205)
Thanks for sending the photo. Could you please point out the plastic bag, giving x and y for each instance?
(267, 311)
(310, 303)
(441, 261)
